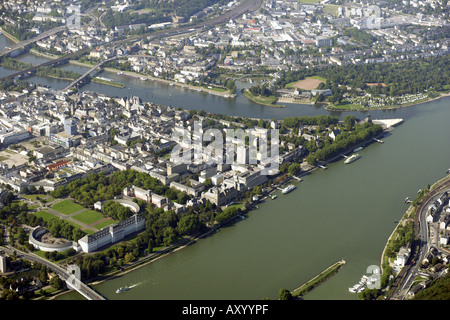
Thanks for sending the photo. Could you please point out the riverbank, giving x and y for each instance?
(139, 76)
(295, 101)
(412, 214)
(33, 51)
(361, 108)
(265, 101)
(108, 83)
(408, 216)
(145, 77)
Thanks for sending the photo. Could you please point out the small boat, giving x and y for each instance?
(120, 73)
(143, 79)
(358, 149)
(123, 289)
(274, 196)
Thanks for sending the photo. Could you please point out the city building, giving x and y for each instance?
(112, 234)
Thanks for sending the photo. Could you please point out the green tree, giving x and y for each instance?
(56, 283)
(169, 236)
(285, 294)
(188, 224)
(294, 168)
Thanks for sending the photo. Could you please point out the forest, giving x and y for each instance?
(400, 78)
(439, 289)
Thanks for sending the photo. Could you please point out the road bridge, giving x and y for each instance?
(245, 6)
(56, 62)
(72, 279)
(25, 43)
(84, 75)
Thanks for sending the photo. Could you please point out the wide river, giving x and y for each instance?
(347, 211)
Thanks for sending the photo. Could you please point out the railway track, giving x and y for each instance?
(443, 185)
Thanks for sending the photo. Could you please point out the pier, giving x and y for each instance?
(317, 280)
(388, 123)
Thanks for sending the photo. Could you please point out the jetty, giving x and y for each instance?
(388, 124)
(319, 279)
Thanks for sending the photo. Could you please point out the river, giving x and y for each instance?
(347, 211)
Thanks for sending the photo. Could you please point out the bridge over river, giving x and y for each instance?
(72, 279)
(84, 75)
(25, 43)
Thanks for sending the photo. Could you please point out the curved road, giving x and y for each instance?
(425, 242)
(83, 289)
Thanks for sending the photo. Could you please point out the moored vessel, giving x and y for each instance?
(288, 189)
(352, 158)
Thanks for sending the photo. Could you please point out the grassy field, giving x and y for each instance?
(45, 215)
(345, 106)
(268, 101)
(103, 224)
(67, 207)
(331, 9)
(88, 216)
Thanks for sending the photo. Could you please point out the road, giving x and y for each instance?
(425, 242)
(79, 286)
(244, 7)
(77, 81)
(23, 44)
